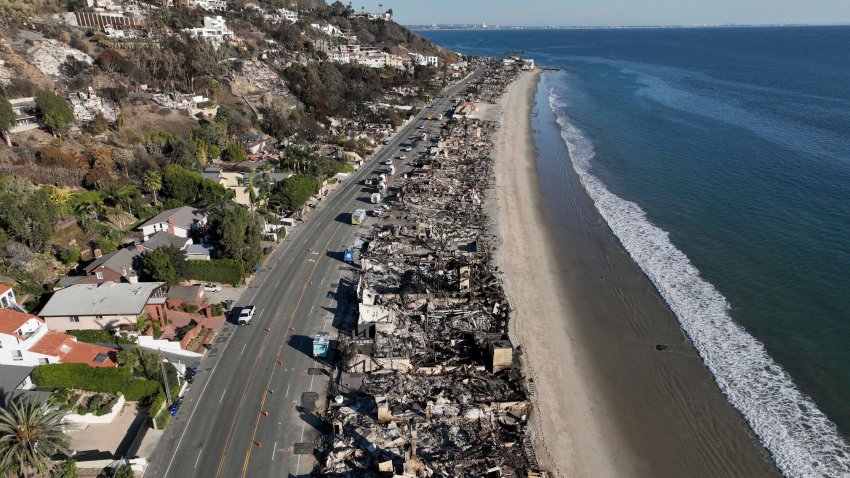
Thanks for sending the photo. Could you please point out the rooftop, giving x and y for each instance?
(184, 217)
(164, 239)
(119, 261)
(12, 320)
(69, 350)
(108, 298)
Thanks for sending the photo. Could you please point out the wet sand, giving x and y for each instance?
(607, 402)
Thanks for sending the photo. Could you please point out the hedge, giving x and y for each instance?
(156, 404)
(162, 419)
(95, 336)
(225, 271)
(82, 377)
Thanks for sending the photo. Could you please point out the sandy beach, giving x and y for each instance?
(607, 403)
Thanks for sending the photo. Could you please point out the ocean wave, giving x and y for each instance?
(801, 439)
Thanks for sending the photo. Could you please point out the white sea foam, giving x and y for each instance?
(801, 439)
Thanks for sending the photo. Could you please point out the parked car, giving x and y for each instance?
(210, 287)
(387, 162)
(246, 314)
(402, 156)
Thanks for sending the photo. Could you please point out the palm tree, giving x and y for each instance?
(30, 433)
(153, 183)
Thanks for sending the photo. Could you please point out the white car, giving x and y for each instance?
(246, 314)
(402, 156)
(420, 127)
(388, 162)
(210, 287)
(407, 149)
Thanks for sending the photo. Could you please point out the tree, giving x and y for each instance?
(30, 434)
(98, 125)
(152, 181)
(57, 113)
(28, 215)
(157, 267)
(7, 119)
(293, 192)
(234, 153)
(238, 235)
(110, 60)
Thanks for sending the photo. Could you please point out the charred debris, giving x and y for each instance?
(427, 381)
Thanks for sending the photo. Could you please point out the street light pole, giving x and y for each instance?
(164, 376)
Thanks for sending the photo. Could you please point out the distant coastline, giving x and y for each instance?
(481, 26)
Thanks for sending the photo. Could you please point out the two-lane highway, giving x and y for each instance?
(243, 414)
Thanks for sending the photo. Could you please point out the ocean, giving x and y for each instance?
(720, 158)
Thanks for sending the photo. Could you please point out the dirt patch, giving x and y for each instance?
(148, 117)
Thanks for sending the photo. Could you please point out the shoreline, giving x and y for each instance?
(607, 403)
(582, 443)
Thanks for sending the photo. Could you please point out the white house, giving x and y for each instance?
(179, 221)
(215, 30)
(26, 341)
(211, 5)
(7, 297)
(288, 15)
(423, 60)
(327, 28)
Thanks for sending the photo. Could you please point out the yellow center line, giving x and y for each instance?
(251, 376)
(279, 351)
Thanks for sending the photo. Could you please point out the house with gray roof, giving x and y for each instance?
(180, 221)
(117, 266)
(162, 239)
(108, 305)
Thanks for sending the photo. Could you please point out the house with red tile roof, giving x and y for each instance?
(26, 341)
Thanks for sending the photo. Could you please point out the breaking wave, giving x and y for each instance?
(801, 439)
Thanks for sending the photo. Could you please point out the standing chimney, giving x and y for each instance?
(171, 226)
(98, 254)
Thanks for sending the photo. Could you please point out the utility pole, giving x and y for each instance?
(164, 376)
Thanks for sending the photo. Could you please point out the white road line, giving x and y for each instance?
(243, 348)
(311, 382)
(195, 408)
(287, 389)
(274, 450)
(222, 395)
(198, 458)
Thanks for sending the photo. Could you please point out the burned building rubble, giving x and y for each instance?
(429, 383)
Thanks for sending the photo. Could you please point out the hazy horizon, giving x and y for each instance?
(615, 12)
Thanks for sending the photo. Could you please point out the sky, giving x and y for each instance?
(613, 12)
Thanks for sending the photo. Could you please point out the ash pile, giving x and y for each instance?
(429, 384)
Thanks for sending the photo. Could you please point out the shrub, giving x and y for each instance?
(206, 104)
(217, 310)
(102, 336)
(156, 404)
(82, 377)
(227, 271)
(162, 419)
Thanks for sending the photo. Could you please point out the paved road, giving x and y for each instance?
(244, 413)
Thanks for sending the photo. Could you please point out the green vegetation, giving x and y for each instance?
(225, 271)
(238, 235)
(30, 435)
(27, 215)
(57, 113)
(82, 377)
(162, 419)
(181, 186)
(99, 336)
(124, 471)
(292, 193)
(234, 153)
(66, 469)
